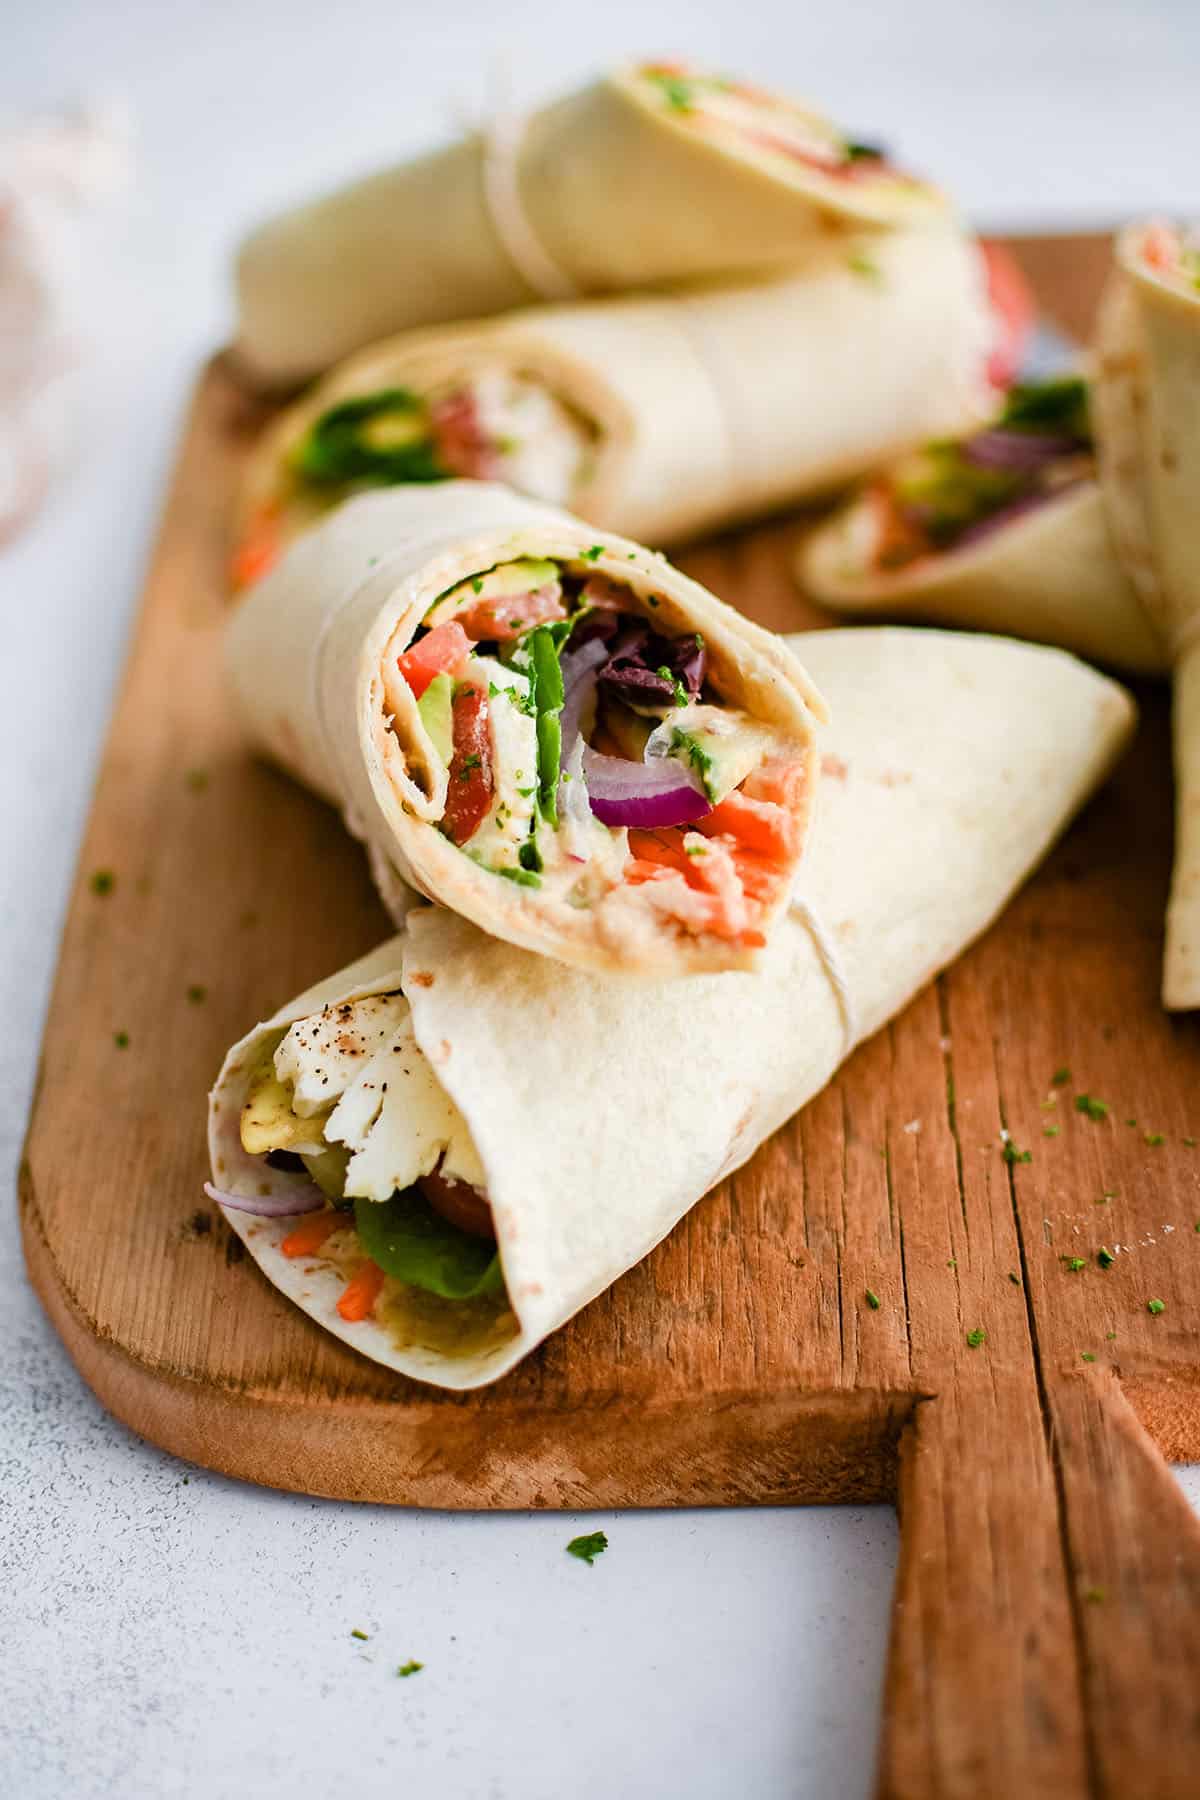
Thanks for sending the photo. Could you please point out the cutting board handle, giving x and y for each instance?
(1046, 1627)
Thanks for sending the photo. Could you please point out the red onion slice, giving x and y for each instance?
(303, 1198)
(1018, 450)
(621, 792)
(579, 684)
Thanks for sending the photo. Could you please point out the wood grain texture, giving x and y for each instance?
(741, 1362)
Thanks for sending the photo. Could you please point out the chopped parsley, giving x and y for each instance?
(680, 692)
(1060, 1077)
(1095, 1596)
(588, 1547)
(697, 755)
(1156, 1306)
(121, 1040)
(411, 1667)
(1095, 1109)
(1014, 1278)
(103, 881)
(360, 1635)
(1074, 1263)
(197, 780)
(1050, 1130)
(873, 1301)
(477, 584)
(1011, 1154)
(1110, 1335)
(1190, 1142)
(1086, 1356)
(1105, 1257)
(595, 551)
(1154, 1138)
(865, 266)
(976, 1337)
(702, 850)
(530, 857)
(197, 994)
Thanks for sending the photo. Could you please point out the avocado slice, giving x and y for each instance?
(719, 745)
(505, 582)
(268, 1121)
(436, 707)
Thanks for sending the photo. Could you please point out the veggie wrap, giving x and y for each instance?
(654, 173)
(1005, 530)
(1148, 414)
(549, 729)
(518, 1134)
(659, 416)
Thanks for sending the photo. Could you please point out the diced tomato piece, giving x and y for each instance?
(469, 790)
(463, 446)
(439, 652)
(459, 1203)
(1159, 247)
(259, 550)
(757, 824)
(505, 619)
(360, 1293)
(308, 1237)
(1013, 309)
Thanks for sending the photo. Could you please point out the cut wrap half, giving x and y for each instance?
(654, 173)
(659, 416)
(546, 728)
(1004, 530)
(1148, 422)
(445, 1151)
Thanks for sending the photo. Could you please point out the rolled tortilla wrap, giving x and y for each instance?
(1029, 551)
(1148, 416)
(658, 416)
(640, 805)
(591, 1113)
(643, 177)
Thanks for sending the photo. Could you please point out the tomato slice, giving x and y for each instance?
(459, 1204)
(503, 619)
(258, 551)
(439, 651)
(470, 788)
(1013, 309)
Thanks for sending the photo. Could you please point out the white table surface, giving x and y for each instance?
(164, 1632)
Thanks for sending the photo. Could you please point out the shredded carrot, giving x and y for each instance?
(308, 1237)
(258, 551)
(360, 1293)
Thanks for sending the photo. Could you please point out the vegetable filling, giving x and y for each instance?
(398, 1196)
(497, 425)
(585, 753)
(1173, 255)
(955, 492)
(748, 120)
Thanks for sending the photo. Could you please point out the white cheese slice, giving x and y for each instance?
(321, 1055)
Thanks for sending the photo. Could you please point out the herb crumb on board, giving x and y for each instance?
(103, 882)
(976, 1337)
(411, 1667)
(588, 1547)
(1156, 1306)
(873, 1300)
(1091, 1107)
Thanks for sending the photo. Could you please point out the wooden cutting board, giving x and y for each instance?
(1047, 1615)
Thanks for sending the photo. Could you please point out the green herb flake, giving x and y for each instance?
(595, 551)
(1060, 1077)
(103, 881)
(1086, 1356)
(1095, 1596)
(1156, 1307)
(522, 877)
(121, 1040)
(1014, 1278)
(197, 994)
(1050, 1130)
(588, 1547)
(1093, 1108)
(873, 1300)
(1105, 1257)
(1190, 1142)
(866, 267)
(976, 1337)
(1074, 1263)
(411, 1667)
(360, 1635)
(1011, 1154)
(1109, 1336)
(1154, 1139)
(197, 780)
(1132, 1122)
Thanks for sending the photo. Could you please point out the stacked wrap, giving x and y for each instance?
(952, 765)
(600, 192)
(306, 652)
(1148, 414)
(709, 405)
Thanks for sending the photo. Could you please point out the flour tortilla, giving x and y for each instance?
(619, 193)
(306, 649)
(954, 763)
(1148, 420)
(1051, 575)
(711, 405)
